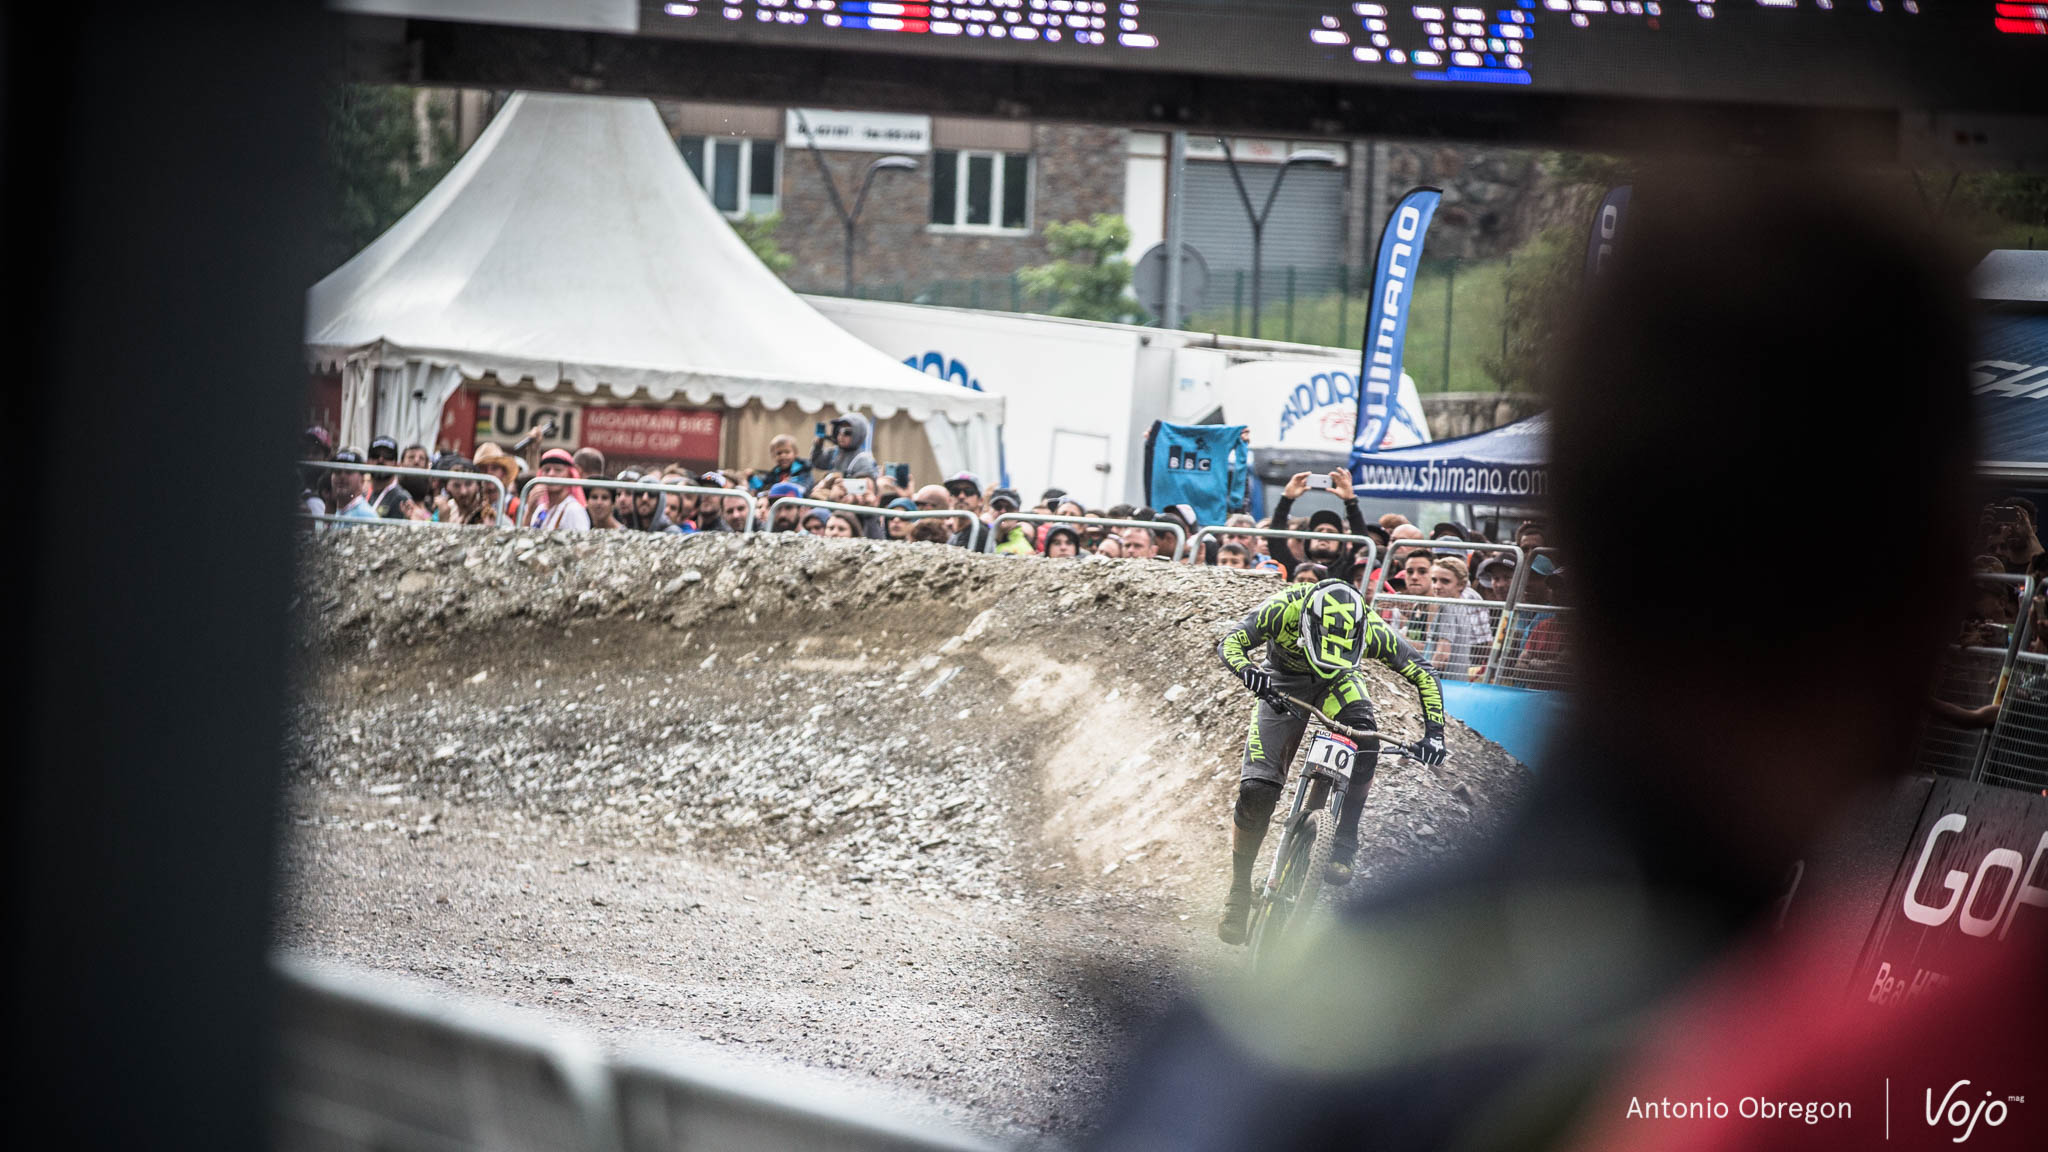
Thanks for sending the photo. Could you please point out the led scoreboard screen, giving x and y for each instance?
(1839, 53)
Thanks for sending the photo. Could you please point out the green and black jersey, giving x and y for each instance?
(1277, 624)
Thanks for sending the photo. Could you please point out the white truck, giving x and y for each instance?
(1080, 395)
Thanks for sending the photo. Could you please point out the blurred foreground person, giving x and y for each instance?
(1506, 1002)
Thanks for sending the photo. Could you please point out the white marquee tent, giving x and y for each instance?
(572, 248)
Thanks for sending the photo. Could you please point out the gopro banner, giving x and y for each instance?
(1606, 232)
(1386, 326)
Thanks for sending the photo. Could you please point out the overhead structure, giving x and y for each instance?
(1508, 465)
(2010, 374)
(571, 250)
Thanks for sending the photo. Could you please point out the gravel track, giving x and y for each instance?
(949, 824)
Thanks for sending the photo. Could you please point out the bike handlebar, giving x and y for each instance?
(1345, 730)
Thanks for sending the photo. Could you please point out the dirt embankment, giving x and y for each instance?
(994, 793)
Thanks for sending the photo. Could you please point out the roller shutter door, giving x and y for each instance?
(1305, 229)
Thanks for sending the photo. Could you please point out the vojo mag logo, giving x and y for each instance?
(1962, 1109)
(1379, 374)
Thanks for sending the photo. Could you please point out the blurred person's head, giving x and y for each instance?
(1062, 541)
(1494, 577)
(414, 456)
(1529, 536)
(1327, 522)
(345, 484)
(1111, 545)
(1415, 571)
(782, 449)
(588, 461)
(1139, 544)
(732, 508)
(841, 526)
(1240, 520)
(1773, 278)
(1309, 572)
(1448, 578)
(932, 498)
(316, 444)
(1393, 520)
(1397, 553)
(965, 489)
(601, 502)
(932, 531)
(1233, 555)
(898, 527)
(383, 451)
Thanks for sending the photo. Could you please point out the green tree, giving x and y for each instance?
(1087, 277)
(379, 163)
(759, 234)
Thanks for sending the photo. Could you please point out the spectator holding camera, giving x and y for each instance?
(842, 447)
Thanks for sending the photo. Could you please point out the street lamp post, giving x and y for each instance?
(849, 220)
(1315, 156)
(852, 219)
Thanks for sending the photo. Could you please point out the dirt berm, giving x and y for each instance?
(858, 724)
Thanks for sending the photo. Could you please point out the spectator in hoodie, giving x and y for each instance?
(844, 448)
(787, 469)
(1338, 557)
(650, 512)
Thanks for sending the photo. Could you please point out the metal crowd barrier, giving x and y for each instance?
(1497, 613)
(394, 470)
(973, 521)
(368, 1063)
(1371, 546)
(526, 492)
(372, 521)
(1973, 675)
(2017, 753)
(1078, 523)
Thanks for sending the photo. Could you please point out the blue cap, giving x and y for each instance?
(785, 488)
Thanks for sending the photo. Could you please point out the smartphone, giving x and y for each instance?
(821, 431)
(1319, 481)
(2003, 514)
(857, 486)
(903, 475)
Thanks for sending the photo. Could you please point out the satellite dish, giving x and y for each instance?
(1148, 279)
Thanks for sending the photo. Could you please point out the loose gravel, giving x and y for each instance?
(950, 824)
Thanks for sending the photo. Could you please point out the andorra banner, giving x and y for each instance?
(1386, 326)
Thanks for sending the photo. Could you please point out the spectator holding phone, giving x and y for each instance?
(1338, 557)
(842, 447)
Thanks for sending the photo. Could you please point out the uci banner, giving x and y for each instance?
(1386, 325)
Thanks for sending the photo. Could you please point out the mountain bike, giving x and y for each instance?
(1288, 896)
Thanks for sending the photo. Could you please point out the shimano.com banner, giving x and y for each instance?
(1386, 325)
(1606, 234)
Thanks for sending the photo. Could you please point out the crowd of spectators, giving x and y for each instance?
(1458, 589)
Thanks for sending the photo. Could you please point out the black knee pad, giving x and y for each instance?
(1255, 801)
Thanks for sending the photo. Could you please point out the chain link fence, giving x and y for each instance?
(2018, 752)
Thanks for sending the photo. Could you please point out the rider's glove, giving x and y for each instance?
(1257, 679)
(1430, 749)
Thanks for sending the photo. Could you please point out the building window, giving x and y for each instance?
(741, 175)
(984, 191)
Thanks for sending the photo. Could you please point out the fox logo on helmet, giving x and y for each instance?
(1332, 626)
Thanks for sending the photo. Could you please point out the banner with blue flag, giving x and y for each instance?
(1204, 466)
(1386, 325)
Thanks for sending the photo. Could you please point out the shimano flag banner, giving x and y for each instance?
(1204, 466)
(1606, 232)
(1386, 326)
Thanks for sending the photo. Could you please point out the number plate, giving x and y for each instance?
(1332, 753)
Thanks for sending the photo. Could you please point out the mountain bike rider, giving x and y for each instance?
(1316, 638)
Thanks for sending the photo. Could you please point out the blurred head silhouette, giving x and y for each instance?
(1767, 337)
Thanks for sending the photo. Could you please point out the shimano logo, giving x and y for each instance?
(1386, 350)
(1962, 1111)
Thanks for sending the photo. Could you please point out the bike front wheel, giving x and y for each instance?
(1284, 910)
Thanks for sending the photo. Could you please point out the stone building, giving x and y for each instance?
(975, 207)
